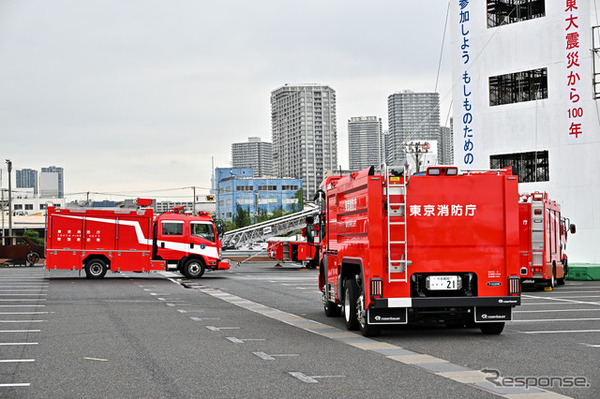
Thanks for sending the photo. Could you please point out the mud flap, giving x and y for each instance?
(387, 316)
(491, 314)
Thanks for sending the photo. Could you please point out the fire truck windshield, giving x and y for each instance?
(203, 230)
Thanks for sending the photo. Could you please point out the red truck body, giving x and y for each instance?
(543, 235)
(435, 247)
(98, 240)
(292, 251)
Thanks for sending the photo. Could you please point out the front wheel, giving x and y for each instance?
(193, 268)
(95, 268)
(351, 304)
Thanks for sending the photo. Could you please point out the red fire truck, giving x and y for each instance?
(543, 235)
(439, 247)
(292, 250)
(98, 240)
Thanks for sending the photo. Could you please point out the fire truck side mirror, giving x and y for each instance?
(572, 229)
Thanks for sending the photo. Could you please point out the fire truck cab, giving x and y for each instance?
(439, 247)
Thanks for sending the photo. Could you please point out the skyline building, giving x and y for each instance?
(255, 154)
(447, 143)
(52, 182)
(532, 106)
(27, 178)
(364, 142)
(412, 117)
(304, 133)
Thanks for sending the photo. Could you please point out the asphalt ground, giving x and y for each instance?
(260, 331)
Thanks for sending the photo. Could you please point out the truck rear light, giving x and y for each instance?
(537, 211)
(536, 269)
(514, 286)
(376, 288)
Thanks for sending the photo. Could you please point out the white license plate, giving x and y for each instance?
(443, 283)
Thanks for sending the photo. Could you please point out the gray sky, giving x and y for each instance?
(138, 95)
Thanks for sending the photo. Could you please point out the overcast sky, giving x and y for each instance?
(138, 95)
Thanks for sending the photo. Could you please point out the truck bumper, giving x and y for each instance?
(389, 311)
(223, 265)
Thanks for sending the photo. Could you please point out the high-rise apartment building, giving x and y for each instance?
(255, 154)
(364, 142)
(27, 178)
(52, 182)
(412, 117)
(303, 122)
(447, 143)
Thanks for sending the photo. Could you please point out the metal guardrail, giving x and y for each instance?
(274, 227)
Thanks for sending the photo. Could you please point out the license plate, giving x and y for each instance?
(443, 283)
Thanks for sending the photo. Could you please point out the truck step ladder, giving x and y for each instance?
(395, 191)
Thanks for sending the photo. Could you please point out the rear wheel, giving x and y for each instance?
(350, 304)
(561, 281)
(193, 268)
(551, 282)
(95, 268)
(492, 328)
(32, 258)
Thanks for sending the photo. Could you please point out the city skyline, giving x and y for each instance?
(152, 99)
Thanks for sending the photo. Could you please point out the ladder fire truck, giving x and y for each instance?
(98, 240)
(439, 247)
(543, 235)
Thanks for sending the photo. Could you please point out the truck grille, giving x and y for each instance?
(418, 287)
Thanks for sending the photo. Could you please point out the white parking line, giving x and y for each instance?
(556, 320)
(557, 310)
(17, 360)
(22, 313)
(560, 332)
(17, 343)
(19, 331)
(15, 385)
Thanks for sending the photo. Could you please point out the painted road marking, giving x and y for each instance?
(560, 332)
(19, 331)
(556, 320)
(15, 385)
(241, 341)
(22, 313)
(556, 310)
(213, 328)
(205, 318)
(17, 343)
(590, 345)
(425, 362)
(16, 360)
(264, 356)
(311, 379)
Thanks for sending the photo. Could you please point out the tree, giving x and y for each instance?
(33, 236)
(241, 218)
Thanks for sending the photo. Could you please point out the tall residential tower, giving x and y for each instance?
(412, 117)
(303, 122)
(255, 154)
(364, 142)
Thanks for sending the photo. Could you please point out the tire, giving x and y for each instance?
(193, 268)
(332, 309)
(366, 329)
(32, 258)
(561, 281)
(351, 304)
(552, 281)
(95, 268)
(492, 328)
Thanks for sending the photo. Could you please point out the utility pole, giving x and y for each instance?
(2, 189)
(194, 201)
(9, 163)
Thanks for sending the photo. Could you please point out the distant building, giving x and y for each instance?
(255, 154)
(304, 129)
(412, 117)
(237, 187)
(52, 182)
(364, 142)
(27, 178)
(447, 143)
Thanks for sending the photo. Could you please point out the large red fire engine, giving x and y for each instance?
(292, 251)
(440, 247)
(98, 240)
(543, 235)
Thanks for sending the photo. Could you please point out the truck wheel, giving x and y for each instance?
(551, 282)
(351, 304)
(561, 281)
(95, 268)
(332, 309)
(366, 329)
(193, 268)
(32, 258)
(492, 328)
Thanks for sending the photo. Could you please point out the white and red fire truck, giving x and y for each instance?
(543, 235)
(439, 247)
(98, 240)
